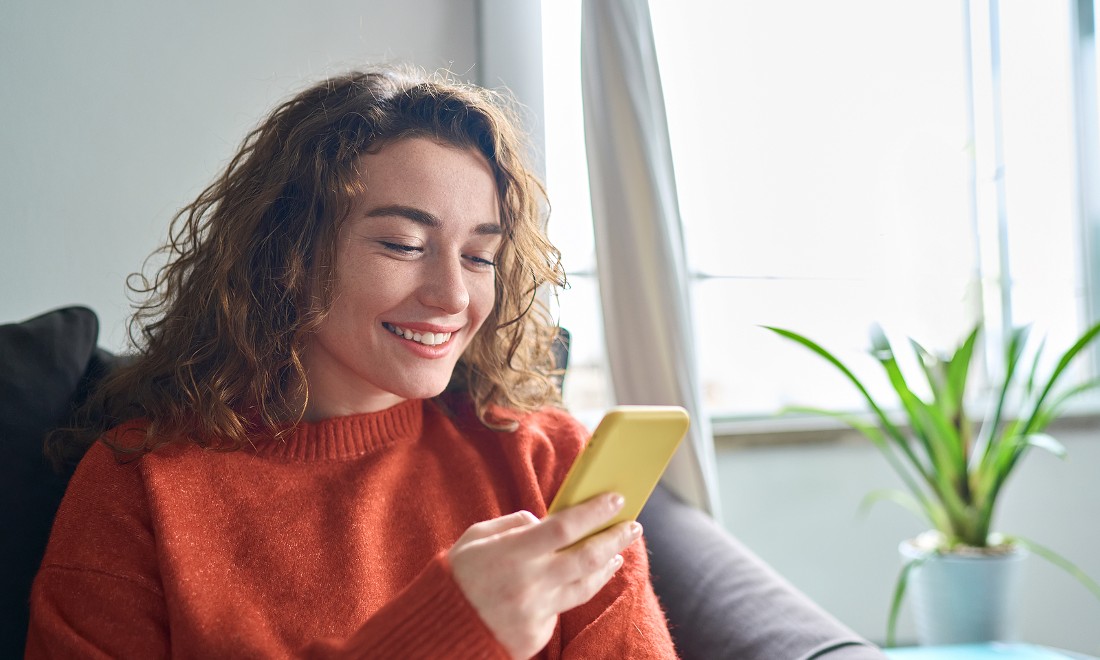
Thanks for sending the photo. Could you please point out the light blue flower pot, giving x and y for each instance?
(963, 598)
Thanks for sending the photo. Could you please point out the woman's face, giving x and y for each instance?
(414, 279)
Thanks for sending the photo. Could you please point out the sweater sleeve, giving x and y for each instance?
(98, 592)
(85, 613)
(431, 618)
(81, 613)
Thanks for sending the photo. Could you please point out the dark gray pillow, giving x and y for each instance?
(43, 362)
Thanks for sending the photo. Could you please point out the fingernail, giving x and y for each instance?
(617, 502)
(635, 530)
(616, 562)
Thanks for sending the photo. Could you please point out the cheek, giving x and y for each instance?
(483, 297)
(369, 288)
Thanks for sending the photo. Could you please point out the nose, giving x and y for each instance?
(445, 286)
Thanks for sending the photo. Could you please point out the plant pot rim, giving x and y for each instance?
(931, 542)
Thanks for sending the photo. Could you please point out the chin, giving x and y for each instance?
(421, 390)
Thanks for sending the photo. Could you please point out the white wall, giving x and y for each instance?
(796, 505)
(114, 114)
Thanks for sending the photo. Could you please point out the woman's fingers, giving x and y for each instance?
(593, 554)
(506, 587)
(519, 573)
(580, 591)
(566, 527)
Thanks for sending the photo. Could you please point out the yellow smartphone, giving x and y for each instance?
(627, 454)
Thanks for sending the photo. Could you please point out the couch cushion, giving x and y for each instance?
(722, 601)
(42, 363)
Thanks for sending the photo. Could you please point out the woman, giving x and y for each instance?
(340, 434)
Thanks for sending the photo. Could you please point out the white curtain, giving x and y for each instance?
(639, 242)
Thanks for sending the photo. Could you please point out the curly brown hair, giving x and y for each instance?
(249, 269)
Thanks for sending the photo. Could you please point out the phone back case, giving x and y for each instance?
(627, 454)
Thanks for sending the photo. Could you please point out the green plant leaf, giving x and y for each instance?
(962, 509)
(988, 439)
(940, 440)
(947, 381)
(1044, 441)
(958, 370)
(1008, 453)
(878, 438)
(959, 367)
(935, 372)
(994, 478)
(1061, 562)
(990, 474)
(873, 433)
(1063, 362)
(1029, 386)
(1052, 409)
(882, 351)
(899, 596)
(902, 498)
(887, 425)
(889, 428)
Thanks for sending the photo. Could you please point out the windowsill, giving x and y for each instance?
(797, 429)
(777, 430)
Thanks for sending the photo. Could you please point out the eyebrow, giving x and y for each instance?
(422, 217)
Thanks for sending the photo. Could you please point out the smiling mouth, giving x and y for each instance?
(426, 338)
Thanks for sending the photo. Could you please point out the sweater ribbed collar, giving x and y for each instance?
(348, 437)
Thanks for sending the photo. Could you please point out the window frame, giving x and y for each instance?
(987, 198)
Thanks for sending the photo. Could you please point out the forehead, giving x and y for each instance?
(451, 183)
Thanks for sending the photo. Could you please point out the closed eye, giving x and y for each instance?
(401, 248)
(481, 261)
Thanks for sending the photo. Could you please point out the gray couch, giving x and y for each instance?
(721, 600)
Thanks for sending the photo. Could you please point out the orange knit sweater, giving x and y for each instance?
(329, 544)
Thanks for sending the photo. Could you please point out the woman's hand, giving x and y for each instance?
(520, 573)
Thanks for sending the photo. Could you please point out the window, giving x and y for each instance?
(587, 387)
(839, 164)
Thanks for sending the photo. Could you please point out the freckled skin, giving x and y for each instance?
(416, 250)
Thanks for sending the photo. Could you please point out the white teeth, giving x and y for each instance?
(426, 338)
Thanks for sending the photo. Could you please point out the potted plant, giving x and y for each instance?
(954, 471)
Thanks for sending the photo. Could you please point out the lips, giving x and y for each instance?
(425, 338)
